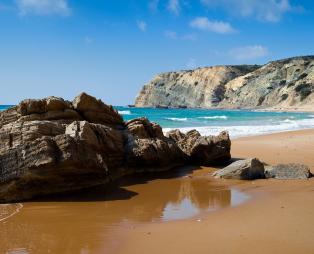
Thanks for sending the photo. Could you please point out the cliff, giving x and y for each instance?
(283, 84)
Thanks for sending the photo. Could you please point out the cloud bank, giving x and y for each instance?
(203, 23)
(43, 7)
(264, 10)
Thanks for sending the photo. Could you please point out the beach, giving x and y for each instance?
(183, 210)
(277, 219)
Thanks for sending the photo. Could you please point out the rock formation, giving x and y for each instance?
(200, 149)
(52, 146)
(283, 84)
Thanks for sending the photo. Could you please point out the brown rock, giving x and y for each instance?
(50, 146)
(95, 111)
(203, 150)
(142, 128)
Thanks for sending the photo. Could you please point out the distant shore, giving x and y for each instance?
(306, 109)
(277, 219)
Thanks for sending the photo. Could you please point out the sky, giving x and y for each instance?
(111, 48)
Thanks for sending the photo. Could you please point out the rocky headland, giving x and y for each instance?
(52, 146)
(286, 84)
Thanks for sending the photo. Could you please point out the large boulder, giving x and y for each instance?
(288, 171)
(204, 150)
(248, 169)
(30, 106)
(50, 108)
(95, 111)
(52, 145)
(142, 128)
(148, 147)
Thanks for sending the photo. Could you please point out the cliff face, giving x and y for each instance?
(282, 84)
(203, 87)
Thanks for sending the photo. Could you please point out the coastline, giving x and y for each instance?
(307, 109)
(275, 220)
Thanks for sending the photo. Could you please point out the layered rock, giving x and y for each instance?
(203, 87)
(52, 145)
(200, 149)
(283, 84)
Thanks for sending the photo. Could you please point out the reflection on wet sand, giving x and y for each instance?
(88, 225)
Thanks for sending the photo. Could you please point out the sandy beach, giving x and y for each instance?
(277, 219)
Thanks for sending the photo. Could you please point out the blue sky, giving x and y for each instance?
(110, 48)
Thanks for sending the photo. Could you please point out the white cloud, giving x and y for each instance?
(248, 52)
(265, 10)
(142, 25)
(205, 24)
(153, 5)
(43, 7)
(174, 6)
(174, 36)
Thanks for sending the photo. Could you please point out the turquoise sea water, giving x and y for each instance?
(239, 123)
(3, 107)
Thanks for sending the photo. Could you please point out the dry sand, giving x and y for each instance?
(278, 218)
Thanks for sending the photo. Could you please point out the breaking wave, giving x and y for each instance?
(237, 131)
(213, 117)
(177, 119)
(124, 112)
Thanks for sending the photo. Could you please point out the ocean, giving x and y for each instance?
(239, 123)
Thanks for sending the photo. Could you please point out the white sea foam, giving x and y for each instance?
(213, 117)
(252, 130)
(124, 112)
(177, 119)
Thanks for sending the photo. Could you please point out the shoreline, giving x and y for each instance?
(276, 218)
(233, 138)
(308, 109)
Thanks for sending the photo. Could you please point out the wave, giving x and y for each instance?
(177, 119)
(124, 112)
(213, 117)
(252, 130)
(288, 121)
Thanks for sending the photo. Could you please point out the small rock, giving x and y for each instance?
(288, 171)
(248, 169)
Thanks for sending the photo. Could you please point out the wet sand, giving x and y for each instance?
(92, 222)
(185, 211)
(278, 219)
